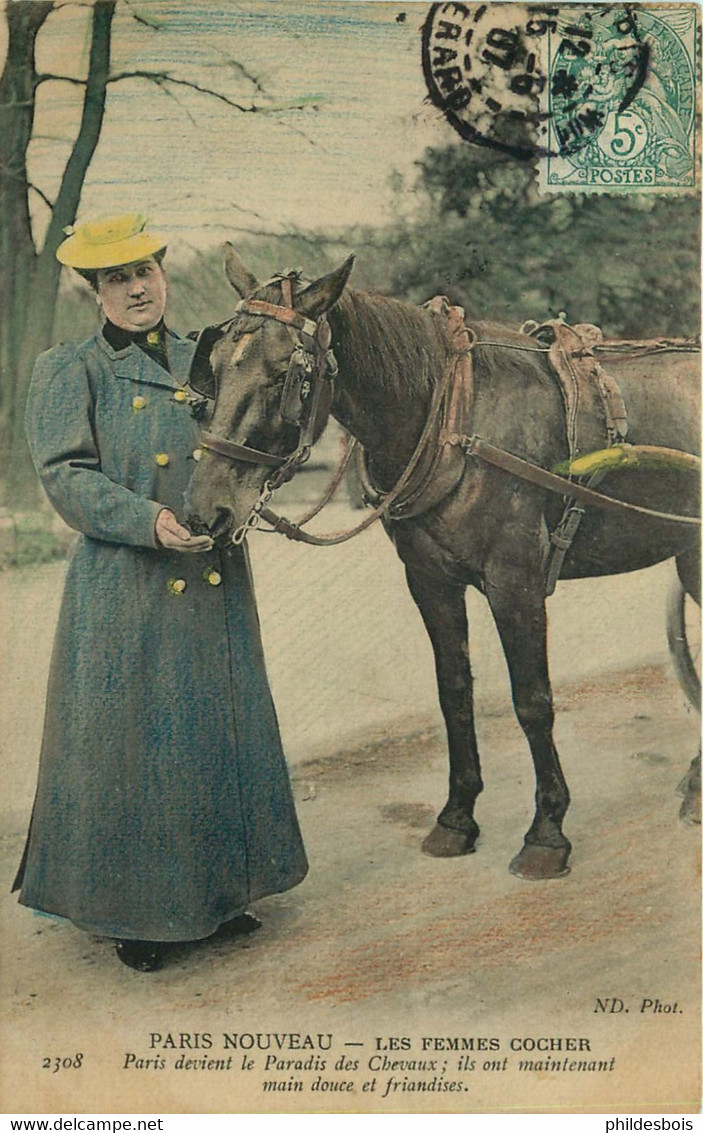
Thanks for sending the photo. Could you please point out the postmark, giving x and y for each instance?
(644, 139)
(509, 76)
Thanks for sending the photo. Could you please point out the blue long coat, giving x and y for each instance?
(163, 804)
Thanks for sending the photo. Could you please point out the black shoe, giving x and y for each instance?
(243, 925)
(142, 955)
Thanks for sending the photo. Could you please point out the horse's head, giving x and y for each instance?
(271, 379)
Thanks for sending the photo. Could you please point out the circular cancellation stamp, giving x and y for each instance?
(605, 95)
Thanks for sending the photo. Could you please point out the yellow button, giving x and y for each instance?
(153, 338)
(138, 403)
(161, 459)
(176, 585)
(180, 395)
(197, 453)
(214, 577)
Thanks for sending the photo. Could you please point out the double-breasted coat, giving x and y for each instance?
(163, 804)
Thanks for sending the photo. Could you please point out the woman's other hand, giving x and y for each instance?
(175, 537)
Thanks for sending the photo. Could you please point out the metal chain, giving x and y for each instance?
(253, 520)
(280, 477)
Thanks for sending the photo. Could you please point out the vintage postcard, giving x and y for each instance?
(386, 799)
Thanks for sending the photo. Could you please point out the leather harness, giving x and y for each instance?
(439, 459)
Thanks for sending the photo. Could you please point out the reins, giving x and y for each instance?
(293, 530)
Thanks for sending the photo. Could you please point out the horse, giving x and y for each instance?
(490, 531)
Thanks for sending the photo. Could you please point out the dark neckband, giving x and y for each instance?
(120, 339)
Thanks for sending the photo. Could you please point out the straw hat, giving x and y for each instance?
(109, 242)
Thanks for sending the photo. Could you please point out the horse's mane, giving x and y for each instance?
(405, 347)
(523, 359)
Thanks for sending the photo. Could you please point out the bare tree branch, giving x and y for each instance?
(225, 60)
(179, 102)
(48, 78)
(163, 77)
(302, 134)
(153, 24)
(247, 212)
(41, 194)
(241, 70)
(51, 138)
(7, 171)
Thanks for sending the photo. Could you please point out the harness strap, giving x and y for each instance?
(526, 470)
(351, 449)
(282, 314)
(210, 442)
(292, 530)
(640, 348)
(442, 465)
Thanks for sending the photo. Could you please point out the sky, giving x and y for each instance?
(202, 169)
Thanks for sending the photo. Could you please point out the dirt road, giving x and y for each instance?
(384, 953)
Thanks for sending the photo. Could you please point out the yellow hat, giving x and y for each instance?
(109, 242)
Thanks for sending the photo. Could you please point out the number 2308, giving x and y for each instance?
(55, 1064)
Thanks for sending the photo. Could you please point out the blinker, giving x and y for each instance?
(201, 377)
(297, 386)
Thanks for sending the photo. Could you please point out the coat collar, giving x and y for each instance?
(133, 364)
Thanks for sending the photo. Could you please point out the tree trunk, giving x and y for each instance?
(31, 281)
(17, 253)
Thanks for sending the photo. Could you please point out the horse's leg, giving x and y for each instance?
(443, 611)
(521, 619)
(688, 567)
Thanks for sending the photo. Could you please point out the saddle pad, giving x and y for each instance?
(595, 408)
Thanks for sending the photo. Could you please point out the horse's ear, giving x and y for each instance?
(324, 292)
(243, 281)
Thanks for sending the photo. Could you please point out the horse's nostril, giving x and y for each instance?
(223, 522)
(197, 525)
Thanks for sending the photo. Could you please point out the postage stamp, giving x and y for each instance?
(606, 131)
(604, 96)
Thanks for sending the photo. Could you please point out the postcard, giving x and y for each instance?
(350, 550)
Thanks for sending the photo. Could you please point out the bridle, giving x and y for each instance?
(306, 398)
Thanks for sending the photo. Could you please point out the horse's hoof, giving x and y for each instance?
(539, 863)
(690, 788)
(442, 842)
(690, 810)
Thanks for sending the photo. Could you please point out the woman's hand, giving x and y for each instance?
(175, 537)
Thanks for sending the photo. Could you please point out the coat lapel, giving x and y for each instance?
(180, 356)
(134, 365)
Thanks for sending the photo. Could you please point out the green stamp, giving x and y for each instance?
(621, 111)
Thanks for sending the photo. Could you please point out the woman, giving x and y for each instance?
(163, 804)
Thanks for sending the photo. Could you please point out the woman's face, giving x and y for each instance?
(133, 296)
